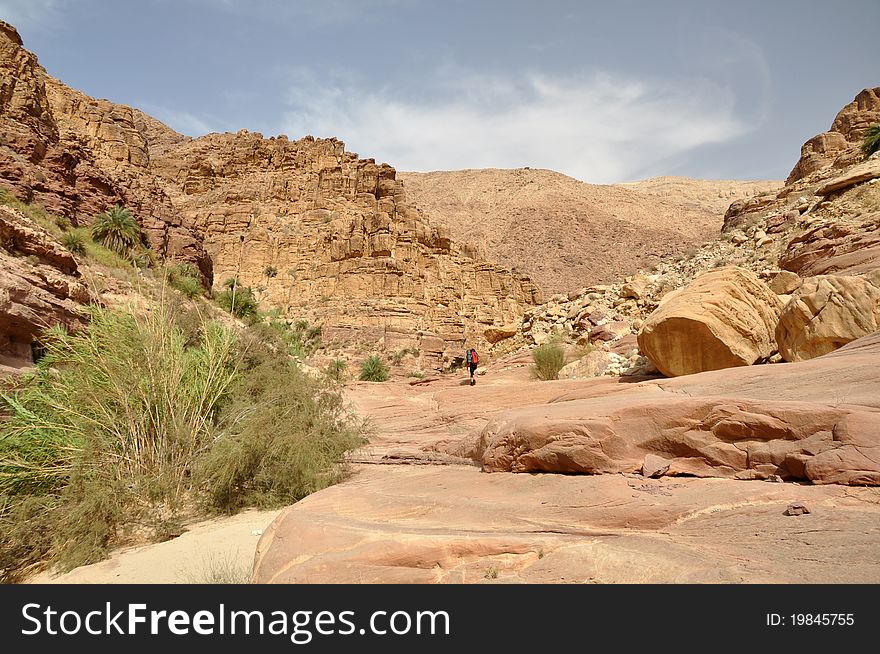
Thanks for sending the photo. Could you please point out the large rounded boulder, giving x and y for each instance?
(722, 319)
(827, 312)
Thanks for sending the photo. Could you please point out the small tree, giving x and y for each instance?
(238, 300)
(336, 369)
(118, 230)
(871, 141)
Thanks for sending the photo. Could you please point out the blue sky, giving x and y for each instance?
(602, 91)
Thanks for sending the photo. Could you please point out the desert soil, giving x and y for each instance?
(566, 234)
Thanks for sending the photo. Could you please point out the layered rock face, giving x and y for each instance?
(742, 422)
(77, 156)
(39, 287)
(839, 146)
(330, 237)
(722, 319)
(318, 232)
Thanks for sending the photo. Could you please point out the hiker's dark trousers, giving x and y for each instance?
(473, 368)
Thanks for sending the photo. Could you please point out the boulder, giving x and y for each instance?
(654, 466)
(826, 312)
(496, 334)
(816, 420)
(722, 319)
(593, 364)
(626, 345)
(609, 331)
(635, 288)
(784, 282)
(862, 172)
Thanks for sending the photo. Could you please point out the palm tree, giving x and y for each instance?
(117, 230)
(871, 141)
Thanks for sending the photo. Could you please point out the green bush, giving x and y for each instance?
(74, 242)
(185, 278)
(871, 140)
(128, 424)
(270, 271)
(110, 421)
(238, 300)
(284, 435)
(62, 223)
(372, 369)
(549, 359)
(118, 230)
(336, 370)
(299, 339)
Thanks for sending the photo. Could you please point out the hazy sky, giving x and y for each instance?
(603, 91)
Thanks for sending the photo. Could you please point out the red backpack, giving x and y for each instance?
(473, 357)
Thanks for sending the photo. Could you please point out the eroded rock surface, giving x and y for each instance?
(826, 312)
(451, 523)
(723, 318)
(817, 420)
(39, 287)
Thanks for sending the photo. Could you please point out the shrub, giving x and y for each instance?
(372, 369)
(238, 300)
(871, 140)
(185, 278)
(62, 223)
(398, 357)
(110, 423)
(299, 339)
(270, 271)
(284, 436)
(123, 427)
(143, 257)
(549, 359)
(189, 286)
(302, 339)
(117, 230)
(336, 370)
(74, 242)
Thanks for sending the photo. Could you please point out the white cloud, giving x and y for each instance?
(598, 128)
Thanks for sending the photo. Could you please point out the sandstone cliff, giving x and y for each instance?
(39, 287)
(76, 156)
(839, 146)
(325, 235)
(319, 233)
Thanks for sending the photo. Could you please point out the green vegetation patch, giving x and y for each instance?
(548, 359)
(131, 423)
(373, 370)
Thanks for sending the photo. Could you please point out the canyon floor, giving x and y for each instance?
(410, 513)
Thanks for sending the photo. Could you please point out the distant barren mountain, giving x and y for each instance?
(566, 234)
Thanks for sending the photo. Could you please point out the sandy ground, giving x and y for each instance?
(222, 546)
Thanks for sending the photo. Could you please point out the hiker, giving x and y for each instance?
(472, 361)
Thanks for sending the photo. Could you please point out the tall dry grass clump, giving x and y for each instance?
(548, 359)
(129, 424)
